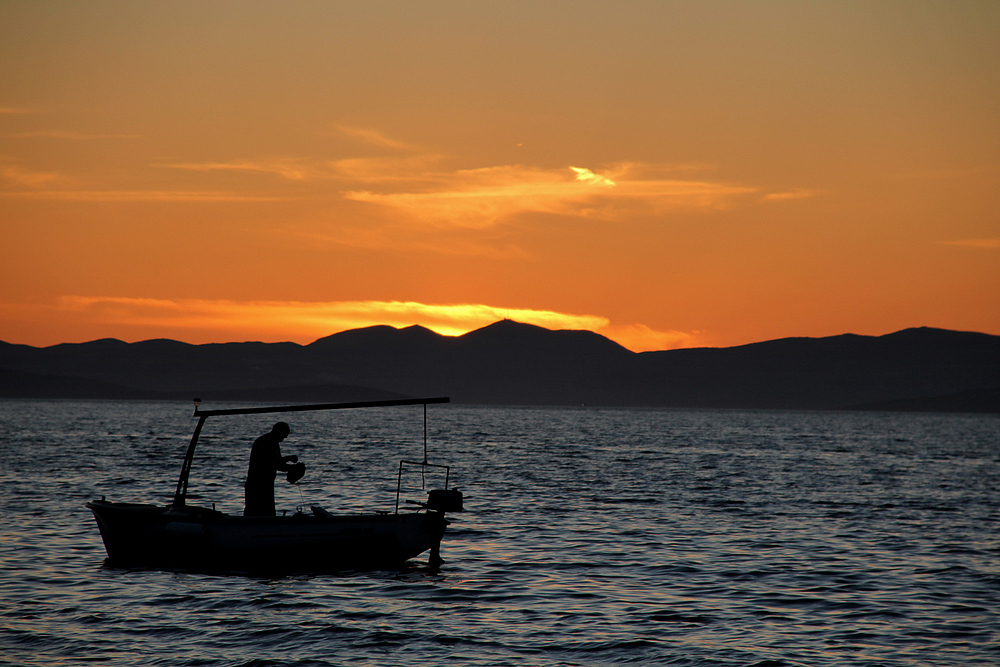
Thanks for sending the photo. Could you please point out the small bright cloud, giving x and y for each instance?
(587, 176)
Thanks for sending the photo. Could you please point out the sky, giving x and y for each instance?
(667, 174)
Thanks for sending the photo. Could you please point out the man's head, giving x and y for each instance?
(281, 430)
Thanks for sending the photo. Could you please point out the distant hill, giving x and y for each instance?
(519, 364)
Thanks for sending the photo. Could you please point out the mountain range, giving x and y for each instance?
(510, 363)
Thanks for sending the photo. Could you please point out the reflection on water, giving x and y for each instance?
(594, 537)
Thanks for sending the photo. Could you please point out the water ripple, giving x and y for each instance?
(594, 537)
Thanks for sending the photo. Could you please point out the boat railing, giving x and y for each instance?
(423, 468)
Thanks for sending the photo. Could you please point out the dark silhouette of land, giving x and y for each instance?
(509, 363)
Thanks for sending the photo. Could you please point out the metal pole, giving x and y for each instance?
(182, 483)
(399, 483)
(324, 406)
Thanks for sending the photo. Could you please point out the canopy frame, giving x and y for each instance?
(180, 494)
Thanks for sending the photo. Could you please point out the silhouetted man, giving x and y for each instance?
(265, 462)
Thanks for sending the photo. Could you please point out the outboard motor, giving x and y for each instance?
(444, 500)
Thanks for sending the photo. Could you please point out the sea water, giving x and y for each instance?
(592, 537)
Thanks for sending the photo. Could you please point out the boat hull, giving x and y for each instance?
(200, 539)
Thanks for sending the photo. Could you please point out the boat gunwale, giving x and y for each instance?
(194, 514)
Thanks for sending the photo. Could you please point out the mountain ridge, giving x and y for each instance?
(515, 363)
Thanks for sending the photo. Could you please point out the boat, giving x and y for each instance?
(181, 536)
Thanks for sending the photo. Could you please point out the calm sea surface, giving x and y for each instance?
(593, 537)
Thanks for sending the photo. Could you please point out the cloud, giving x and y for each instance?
(138, 196)
(203, 320)
(587, 176)
(73, 136)
(416, 185)
(26, 178)
(795, 194)
(409, 169)
(290, 169)
(641, 338)
(39, 182)
(316, 318)
(19, 110)
(388, 170)
(479, 198)
(373, 137)
(990, 244)
(390, 236)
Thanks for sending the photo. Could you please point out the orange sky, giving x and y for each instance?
(666, 173)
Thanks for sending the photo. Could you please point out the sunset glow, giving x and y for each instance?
(201, 321)
(667, 174)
